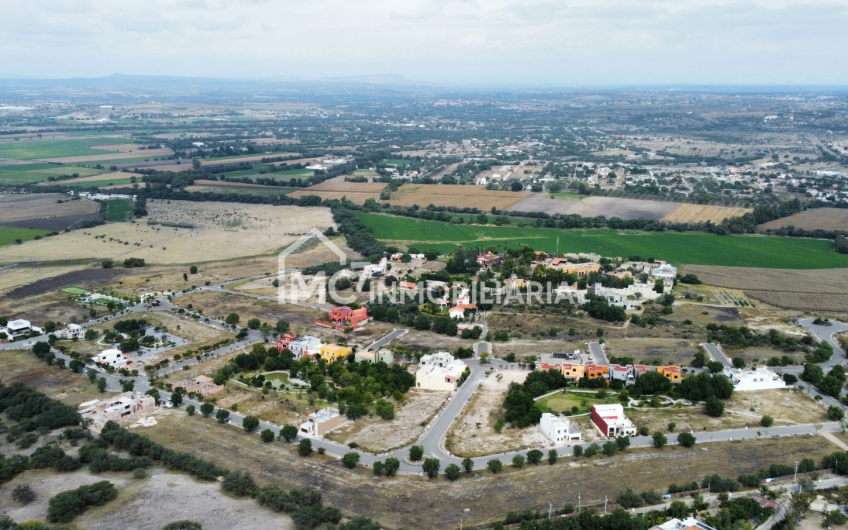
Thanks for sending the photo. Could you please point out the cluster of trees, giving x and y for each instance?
(744, 337)
(68, 504)
(358, 236)
(35, 411)
(598, 307)
(306, 509)
(754, 480)
(830, 384)
(521, 410)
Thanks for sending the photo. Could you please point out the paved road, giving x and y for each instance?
(825, 334)
(480, 347)
(716, 353)
(598, 354)
(385, 339)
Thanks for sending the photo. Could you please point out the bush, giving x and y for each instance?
(629, 499)
(518, 461)
(660, 440)
(553, 456)
(350, 460)
(250, 423)
(431, 467)
(534, 456)
(238, 483)
(494, 465)
(835, 413)
(267, 435)
(452, 472)
(288, 433)
(183, 525)
(304, 448)
(766, 421)
(384, 409)
(23, 494)
(578, 451)
(416, 452)
(714, 407)
(686, 439)
(68, 504)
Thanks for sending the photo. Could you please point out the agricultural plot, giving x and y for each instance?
(336, 188)
(119, 210)
(813, 219)
(50, 150)
(111, 157)
(10, 234)
(458, 196)
(823, 281)
(212, 186)
(17, 174)
(42, 205)
(595, 206)
(680, 248)
(122, 182)
(837, 303)
(697, 213)
(104, 178)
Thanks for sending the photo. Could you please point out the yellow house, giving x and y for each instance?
(334, 352)
(672, 373)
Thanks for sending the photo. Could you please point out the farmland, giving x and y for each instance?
(357, 192)
(459, 196)
(803, 301)
(119, 210)
(681, 248)
(42, 205)
(10, 234)
(26, 173)
(214, 186)
(802, 281)
(697, 213)
(33, 150)
(595, 206)
(813, 219)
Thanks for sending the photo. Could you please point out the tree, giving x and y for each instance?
(304, 448)
(468, 465)
(678, 509)
(495, 465)
(23, 494)
(288, 433)
(349, 460)
(714, 407)
(518, 461)
(267, 435)
(392, 466)
(281, 326)
(250, 423)
(232, 319)
(101, 384)
(206, 409)
(578, 451)
(534, 456)
(431, 467)
(610, 448)
(384, 409)
(452, 472)
(629, 498)
(193, 269)
(379, 469)
(238, 483)
(686, 439)
(431, 254)
(92, 375)
(190, 410)
(835, 413)
(623, 442)
(659, 286)
(652, 383)
(553, 456)
(415, 453)
(766, 421)
(177, 399)
(738, 362)
(659, 440)
(222, 415)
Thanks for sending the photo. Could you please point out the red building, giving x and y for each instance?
(284, 341)
(345, 316)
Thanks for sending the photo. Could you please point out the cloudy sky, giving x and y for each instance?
(494, 42)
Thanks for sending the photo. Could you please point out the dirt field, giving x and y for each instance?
(35, 280)
(16, 276)
(64, 385)
(40, 206)
(837, 303)
(826, 281)
(377, 435)
(39, 309)
(815, 218)
(105, 177)
(232, 230)
(415, 502)
(595, 206)
(459, 196)
(474, 433)
(744, 409)
(671, 351)
(121, 155)
(696, 213)
(146, 504)
(336, 188)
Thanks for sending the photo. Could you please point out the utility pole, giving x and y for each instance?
(796, 470)
(550, 510)
(578, 503)
(605, 504)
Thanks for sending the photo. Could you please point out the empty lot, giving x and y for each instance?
(697, 213)
(460, 196)
(813, 219)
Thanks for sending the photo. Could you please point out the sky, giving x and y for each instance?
(459, 42)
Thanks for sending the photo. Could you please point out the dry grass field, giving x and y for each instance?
(697, 213)
(42, 205)
(785, 280)
(837, 303)
(459, 196)
(416, 502)
(671, 351)
(100, 178)
(38, 309)
(743, 409)
(336, 188)
(64, 385)
(251, 158)
(815, 218)
(377, 435)
(595, 206)
(16, 276)
(221, 231)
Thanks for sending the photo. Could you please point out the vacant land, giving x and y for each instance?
(16, 276)
(66, 386)
(34, 149)
(232, 230)
(336, 188)
(458, 196)
(657, 351)
(697, 213)
(813, 219)
(595, 206)
(802, 281)
(681, 248)
(233, 187)
(216, 304)
(377, 435)
(42, 205)
(119, 210)
(416, 502)
(803, 301)
(744, 409)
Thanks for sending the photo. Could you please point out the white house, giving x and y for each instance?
(760, 378)
(611, 421)
(558, 430)
(664, 272)
(439, 371)
(71, 332)
(112, 357)
(458, 311)
(690, 523)
(375, 270)
(18, 328)
(306, 345)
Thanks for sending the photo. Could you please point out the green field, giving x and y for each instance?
(278, 175)
(264, 191)
(679, 248)
(564, 402)
(9, 235)
(96, 183)
(28, 173)
(119, 210)
(566, 195)
(55, 148)
(75, 290)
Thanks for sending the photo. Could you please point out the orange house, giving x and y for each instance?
(596, 371)
(672, 373)
(573, 371)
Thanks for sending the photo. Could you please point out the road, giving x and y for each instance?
(716, 353)
(825, 334)
(599, 356)
(385, 339)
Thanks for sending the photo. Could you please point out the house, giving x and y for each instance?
(574, 372)
(554, 361)
(129, 406)
(112, 357)
(201, 384)
(614, 297)
(306, 345)
(639, 369)
(760, 378)
(514, 284)
(408, 287)
(345, 316)
(382, 355)
(73, 331)
(458, 311)
(611, 421)
(672, 373)
(439, 371)
(285, 341)
(19, 328)
(334, 352)
(322, 421)
(690, 523)
(580, 269)
(621, 372)
(558, 430)
(375, 270)
(664, 272)
(597, 371)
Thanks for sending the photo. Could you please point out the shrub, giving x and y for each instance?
(534, 456)
(686, 439)
(452, 472)
(350, 460)
(238, 482)
(495, 465)
(23, 494)
(431, 467)
(660, 440)
(267, 435)
(183, 525)
(553, 456)
(714, 407)
(629, 499)
(416, 452)
(250, 423)
(766, 421)
(518, 461)
(68, 504)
